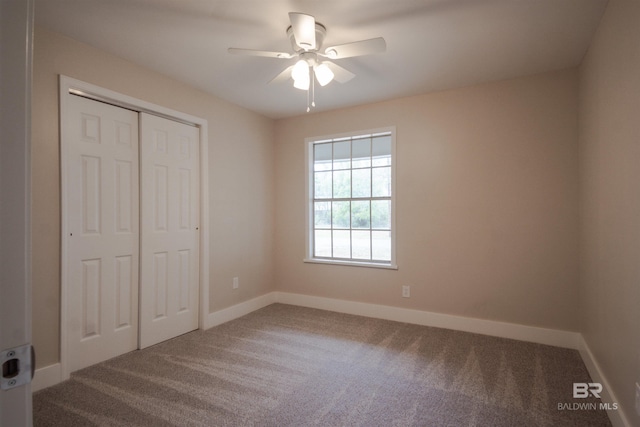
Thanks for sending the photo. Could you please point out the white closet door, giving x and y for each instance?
(102, 239)
(169, 279)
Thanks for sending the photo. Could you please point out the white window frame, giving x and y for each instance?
(309, 196)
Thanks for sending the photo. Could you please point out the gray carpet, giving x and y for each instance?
(292, 366)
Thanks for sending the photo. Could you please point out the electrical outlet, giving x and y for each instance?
(235, 283)
(638, 398)
(406, 291)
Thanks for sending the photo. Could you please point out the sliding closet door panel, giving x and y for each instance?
(169, 279)
(102, 219)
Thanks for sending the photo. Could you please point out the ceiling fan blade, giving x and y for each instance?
(265, 53)
(283, 76)
(363, 47)
(304, 30)
(340, 74)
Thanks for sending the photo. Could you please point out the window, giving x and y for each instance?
(350, 207)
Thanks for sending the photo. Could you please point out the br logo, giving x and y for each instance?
(583, 390)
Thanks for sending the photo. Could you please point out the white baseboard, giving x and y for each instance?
(239, 310)
(46, 377)
(552, 337)
(618, 417)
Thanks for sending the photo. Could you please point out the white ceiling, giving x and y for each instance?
(431, 44)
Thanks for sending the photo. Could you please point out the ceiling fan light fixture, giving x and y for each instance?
(323, 73)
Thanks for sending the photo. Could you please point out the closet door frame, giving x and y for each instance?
(73, 87)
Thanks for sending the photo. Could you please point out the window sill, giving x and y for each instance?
(351, 263)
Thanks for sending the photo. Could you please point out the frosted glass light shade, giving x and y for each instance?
(323, 73)
(300, 75)
(300, 70)
(302, 83)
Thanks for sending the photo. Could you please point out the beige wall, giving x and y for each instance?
(486, 203)
(610, 199)
(240, 178)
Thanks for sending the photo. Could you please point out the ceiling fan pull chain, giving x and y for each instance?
(313, 87)
(308, 107)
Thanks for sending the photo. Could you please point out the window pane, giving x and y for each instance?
(381, 150)
(381, 182)
(342, 155)
(341, 213)
(381, 214)
(322, 214)
(351, 203)
(342, 184)
(322, 243)
(322, 157)
(341, 244)
(361, 244)
(361, 152)
(381, 245)
(361, 182)
(322, 185)
(360, 214)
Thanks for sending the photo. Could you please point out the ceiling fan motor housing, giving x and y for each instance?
(321, 32)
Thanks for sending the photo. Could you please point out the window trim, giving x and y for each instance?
(309, 143)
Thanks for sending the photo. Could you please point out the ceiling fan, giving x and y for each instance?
(306, 36)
